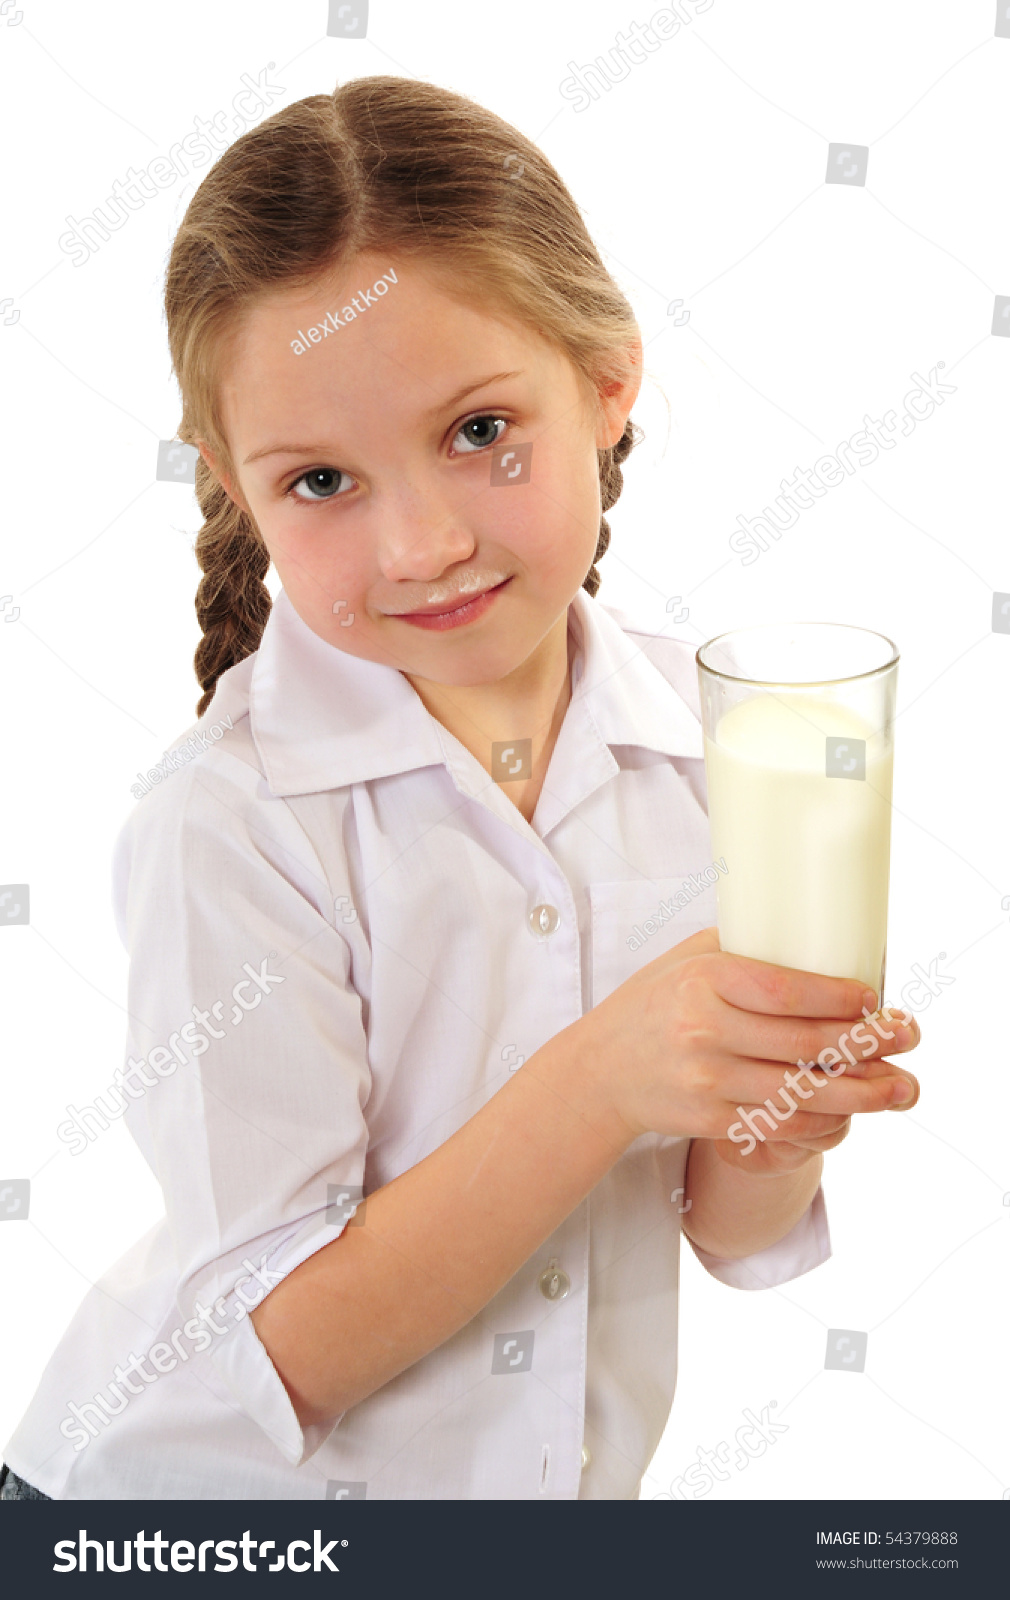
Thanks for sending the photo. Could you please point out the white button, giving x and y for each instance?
(543, 920)
(586, 1457)
(554, 1284)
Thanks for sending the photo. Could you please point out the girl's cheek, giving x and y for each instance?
(311, 557)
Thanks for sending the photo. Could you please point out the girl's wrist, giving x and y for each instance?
(732, 1216)
(574, 1067)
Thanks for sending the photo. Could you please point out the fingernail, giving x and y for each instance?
(904, 1093)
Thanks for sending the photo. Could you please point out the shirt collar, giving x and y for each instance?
(322, 719)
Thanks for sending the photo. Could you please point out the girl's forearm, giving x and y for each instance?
(441, 1239)
(736, 1213)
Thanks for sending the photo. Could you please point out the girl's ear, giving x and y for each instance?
(618, 397)
(222, 477)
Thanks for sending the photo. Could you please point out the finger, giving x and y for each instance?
(702, 943)
(877, 1068)
(915, 1098)
(833, 1126)
(784, 1092)
(806, 1039)
(826, 1141)
(829, 1141)
(782, 991)
(801, 1128)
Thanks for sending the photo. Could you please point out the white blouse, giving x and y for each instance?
(344, 937)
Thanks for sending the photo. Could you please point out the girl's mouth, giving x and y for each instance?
(454, 616)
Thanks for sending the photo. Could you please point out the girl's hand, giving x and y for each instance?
(773, 1159)
(698, 1034)
(788, 1155)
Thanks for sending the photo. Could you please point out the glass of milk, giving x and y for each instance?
(798, 725)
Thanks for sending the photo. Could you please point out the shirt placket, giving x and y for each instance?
(542, 1338)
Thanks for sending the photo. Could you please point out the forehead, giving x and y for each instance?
(407, 348)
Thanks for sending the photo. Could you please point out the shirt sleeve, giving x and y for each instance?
(246, 1061)
(804, 1247)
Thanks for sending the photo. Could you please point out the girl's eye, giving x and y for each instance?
(321, 482)
(474, 432)
(322, 479)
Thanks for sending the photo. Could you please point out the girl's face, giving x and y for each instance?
(367, 464)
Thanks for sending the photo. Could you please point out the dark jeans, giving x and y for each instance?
(14, 1488)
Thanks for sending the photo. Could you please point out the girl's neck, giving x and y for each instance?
(527, 705)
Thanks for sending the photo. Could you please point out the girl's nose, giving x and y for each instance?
(418, 539)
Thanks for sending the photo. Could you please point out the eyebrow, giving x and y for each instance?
(444, 405)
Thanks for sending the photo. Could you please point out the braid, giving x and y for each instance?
(611, 484)
(232, 601)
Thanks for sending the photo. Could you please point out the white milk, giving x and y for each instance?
(807, 856)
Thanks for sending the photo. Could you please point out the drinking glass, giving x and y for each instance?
(798, 727)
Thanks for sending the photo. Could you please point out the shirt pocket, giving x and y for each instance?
(635, 920)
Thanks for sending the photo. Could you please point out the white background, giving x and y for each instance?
(702, 177)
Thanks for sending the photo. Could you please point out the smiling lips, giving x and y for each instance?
(455, 614)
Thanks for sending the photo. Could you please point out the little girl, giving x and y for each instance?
(429, 1110)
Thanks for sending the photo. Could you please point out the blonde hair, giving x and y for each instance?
(382, 164)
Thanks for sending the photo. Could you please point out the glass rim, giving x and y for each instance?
(806, 683)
